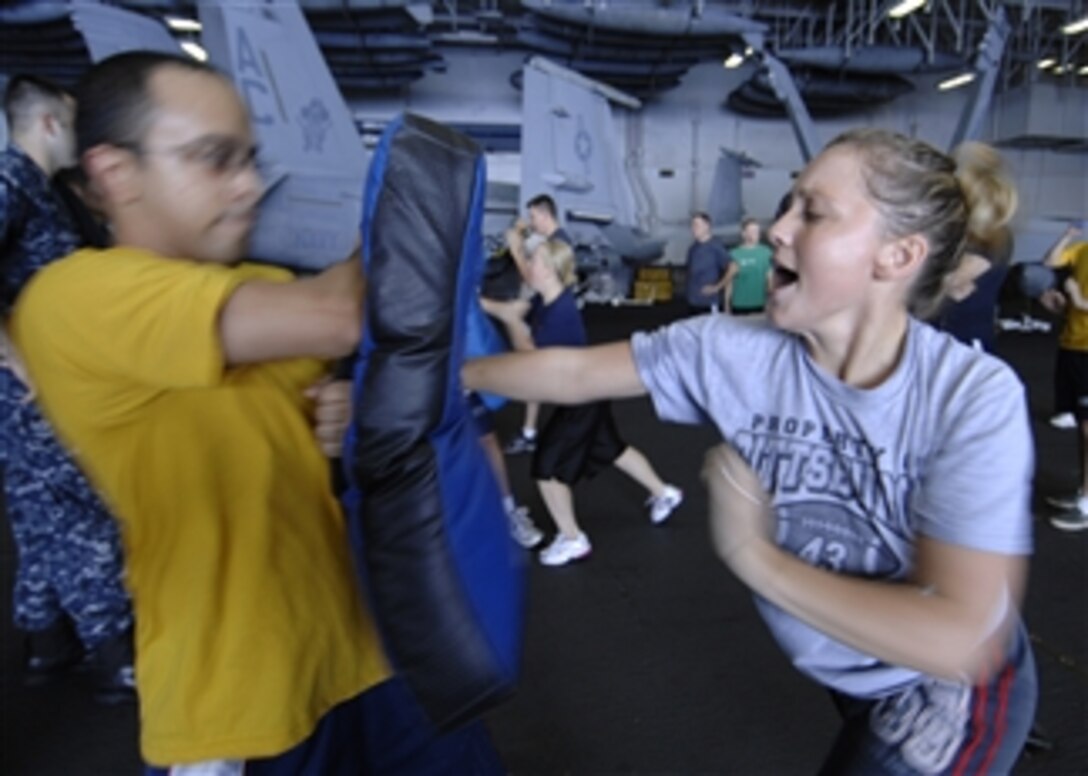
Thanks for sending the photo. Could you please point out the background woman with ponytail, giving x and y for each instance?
(970, 312)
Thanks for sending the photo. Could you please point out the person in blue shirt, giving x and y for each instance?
(576, 442)
(709, 268)
(69, 596)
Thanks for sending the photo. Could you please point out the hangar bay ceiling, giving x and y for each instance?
(845, 56)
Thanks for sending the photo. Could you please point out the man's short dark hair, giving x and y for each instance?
(702, 215)
(26, 92)
(546, 203)
(73, 177)
(114, 104)
(749, 220)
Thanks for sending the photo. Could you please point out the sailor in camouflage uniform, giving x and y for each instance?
(70, 563)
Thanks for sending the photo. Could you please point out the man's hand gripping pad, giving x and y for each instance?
(444, 578)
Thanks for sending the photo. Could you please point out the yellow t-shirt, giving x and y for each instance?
(249, 621)
(1075, 332)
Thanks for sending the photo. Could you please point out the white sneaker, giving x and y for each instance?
(520, 444)
(1064, 421)
(523, 529)
(1065, 502)
(662, 507)
(563, 550)
(1073, 520)
(1036, 324)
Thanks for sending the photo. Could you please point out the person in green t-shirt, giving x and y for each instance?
(747, 291)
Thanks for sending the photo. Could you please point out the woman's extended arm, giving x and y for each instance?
(558, 375)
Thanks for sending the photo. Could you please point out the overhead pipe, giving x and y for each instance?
(870, 59)
(646, 69)
(638, 49)
(786, 91)
(371, 40)
(955, 23)
(987, 63)
(648, 20)
(361, 5)
(928, 41)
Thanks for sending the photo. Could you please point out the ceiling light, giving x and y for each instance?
(734, 60)
(1080, 25)
(178, 24)
(955, 81)
(1083, 70)
(194, 50)
(1043, 64)
(905, 7)
(1061, 69)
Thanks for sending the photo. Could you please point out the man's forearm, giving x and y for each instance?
(1054, 255)
(344, 282)
(1074, 295)
(317, 317)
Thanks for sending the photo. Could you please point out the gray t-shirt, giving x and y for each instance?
(941, 448)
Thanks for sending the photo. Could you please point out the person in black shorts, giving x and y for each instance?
(542, 224)
(576, 442)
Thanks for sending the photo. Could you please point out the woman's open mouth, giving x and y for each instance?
(783, 276)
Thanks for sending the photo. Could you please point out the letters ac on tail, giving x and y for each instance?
(311, 157)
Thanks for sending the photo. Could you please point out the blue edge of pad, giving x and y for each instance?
(490, 567)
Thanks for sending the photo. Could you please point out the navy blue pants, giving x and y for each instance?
(939, 727)
(382, 731)
(70, 560)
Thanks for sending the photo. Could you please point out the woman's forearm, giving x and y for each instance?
(922, 626)
(558, 375)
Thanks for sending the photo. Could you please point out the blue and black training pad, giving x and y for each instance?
(445, 581)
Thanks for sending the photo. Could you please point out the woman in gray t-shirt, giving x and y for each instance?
(874, 493)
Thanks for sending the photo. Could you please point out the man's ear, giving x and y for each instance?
(901, 257)
(50, 122)
(115, 174)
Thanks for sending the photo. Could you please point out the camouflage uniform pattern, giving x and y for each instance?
(70, 559)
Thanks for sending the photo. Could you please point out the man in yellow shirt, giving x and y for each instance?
(1071, 368)
(178, 375)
